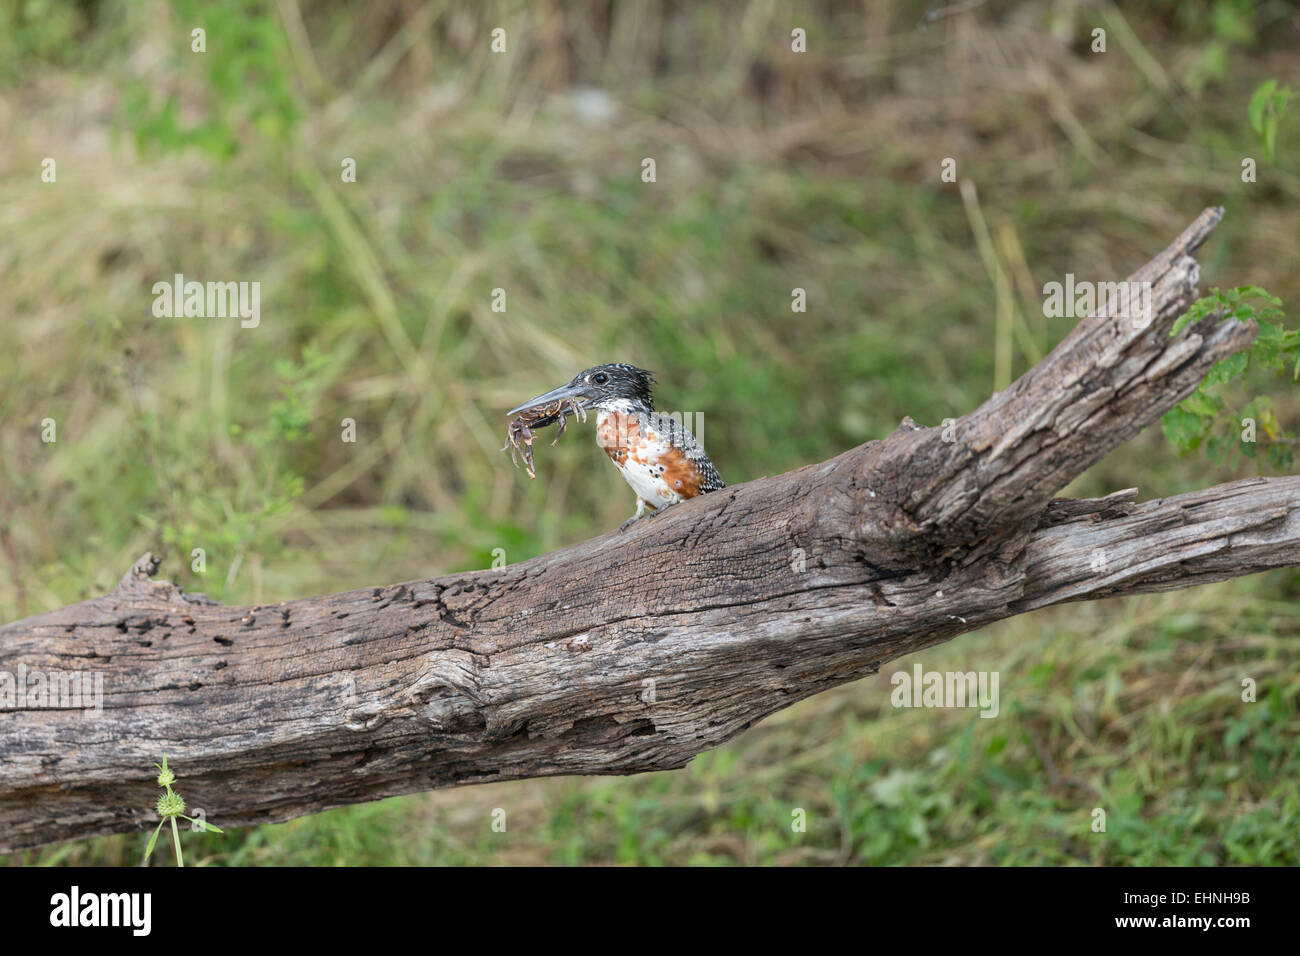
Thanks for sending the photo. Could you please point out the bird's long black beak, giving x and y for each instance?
(564, 393)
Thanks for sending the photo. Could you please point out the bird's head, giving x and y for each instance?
(617, 387)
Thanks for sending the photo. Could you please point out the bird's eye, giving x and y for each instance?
(600, 378)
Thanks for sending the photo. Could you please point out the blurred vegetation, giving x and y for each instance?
(521, 171)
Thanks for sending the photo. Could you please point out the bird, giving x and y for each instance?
(654, 452)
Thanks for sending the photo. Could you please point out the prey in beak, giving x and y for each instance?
(546, 409)
(569, 397)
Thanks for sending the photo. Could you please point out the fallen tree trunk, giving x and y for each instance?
(636, 651)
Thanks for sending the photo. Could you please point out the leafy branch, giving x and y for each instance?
(1206, 417)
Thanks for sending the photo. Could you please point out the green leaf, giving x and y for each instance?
(203, 825)
(1227, 369)
(154, 839)
(1203, 404)
(1220, 447)
(1255, 292)
(1183, 428)
(1259, 103)
(1279, 456)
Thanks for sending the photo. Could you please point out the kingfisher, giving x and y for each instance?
(655, 453)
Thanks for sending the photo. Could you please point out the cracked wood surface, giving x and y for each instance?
(546, 667)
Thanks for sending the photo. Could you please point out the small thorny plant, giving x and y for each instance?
(1206, 417)
(171, 806)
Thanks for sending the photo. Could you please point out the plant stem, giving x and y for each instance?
(176, 835)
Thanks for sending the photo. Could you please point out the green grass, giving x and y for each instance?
(478, 172)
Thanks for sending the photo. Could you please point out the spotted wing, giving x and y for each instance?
(679, 437)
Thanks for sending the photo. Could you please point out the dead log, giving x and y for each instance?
(636, 651)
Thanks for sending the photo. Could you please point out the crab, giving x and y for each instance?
(519, 436)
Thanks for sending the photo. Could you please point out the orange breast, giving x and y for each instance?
(618, 434)
(629, 445)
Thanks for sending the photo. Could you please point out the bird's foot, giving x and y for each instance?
(647, 513)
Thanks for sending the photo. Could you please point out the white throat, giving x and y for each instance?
(623, 405)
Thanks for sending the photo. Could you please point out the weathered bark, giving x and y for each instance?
(727, 607)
